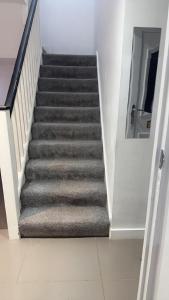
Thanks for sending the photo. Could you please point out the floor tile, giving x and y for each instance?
(4, 235)
(12, 255)
(61, 259)
(69, 269)
(59, 290)
(120, 290)
(119, 259)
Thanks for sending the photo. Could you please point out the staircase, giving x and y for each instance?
(64, 193)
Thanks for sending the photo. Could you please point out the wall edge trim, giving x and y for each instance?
(126, 233)
(103, 136)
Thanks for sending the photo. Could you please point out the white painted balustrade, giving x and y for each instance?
(15, 129)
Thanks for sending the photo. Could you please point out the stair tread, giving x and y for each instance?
(69, 67)
(59, 192)
(66, 114)
(76, 169)
(64, 165)
(66, 130)
(67, 84)
(68, 124)
(81, 72)
(69, 108)
(72, 99)
(60, 162)
(68, 79)
(65, 148)
(71, 60)
(66, 142)
(67, 93)
(64, 221)
(76, 187)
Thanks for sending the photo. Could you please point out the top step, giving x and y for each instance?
(69, 60)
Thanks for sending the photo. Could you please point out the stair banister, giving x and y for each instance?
(16, 117)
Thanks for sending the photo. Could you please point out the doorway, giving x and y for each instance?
(144, 65)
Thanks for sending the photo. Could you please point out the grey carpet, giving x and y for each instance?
(64, 194)
(66, 114)
(68, 72)
(67, 99)
(64, 221)
(64, 169)
(69, 131)
(68, 85)
(69, 60)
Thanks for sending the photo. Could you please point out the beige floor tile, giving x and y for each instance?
(120, 290)
(61, 259)
(60, 290)
(119, 259)
(4, 235)
(12, 255)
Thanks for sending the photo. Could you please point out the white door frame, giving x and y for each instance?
(157, 189)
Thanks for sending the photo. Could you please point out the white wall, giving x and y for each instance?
(109, 38)
(133, 157)
(12, 20)
(6, 70)
(68, 26)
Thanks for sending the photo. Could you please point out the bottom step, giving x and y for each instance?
(64, 221)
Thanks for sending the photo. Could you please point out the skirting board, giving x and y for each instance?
(126, 233)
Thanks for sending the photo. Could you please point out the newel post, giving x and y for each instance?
(9, 174)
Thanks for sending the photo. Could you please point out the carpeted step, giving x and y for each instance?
(67, 85)
(69, 60)
(67, 99)
(38, 169)
(66, 114)
(63, 192)
(64, 221)
(65, 149)
(68, 72)
(71, 131)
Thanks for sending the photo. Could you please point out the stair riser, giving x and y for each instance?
(71, 85)
(54, 132)
(68, 72)
(64, 221)
(69, 60)
(65, 151)
(66, 115)
(62, 232)
(81, 200)
(64, 173)
(65, 99)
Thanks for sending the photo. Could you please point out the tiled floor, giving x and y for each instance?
(69, 269)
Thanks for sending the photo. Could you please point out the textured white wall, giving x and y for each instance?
(109, 38)
(6, 70)
(133, 157)
(68, 26)
(12, 21)
(127, 161)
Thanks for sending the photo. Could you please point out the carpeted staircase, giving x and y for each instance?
(64, 194)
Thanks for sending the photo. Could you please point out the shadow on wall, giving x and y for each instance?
(3, 223)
